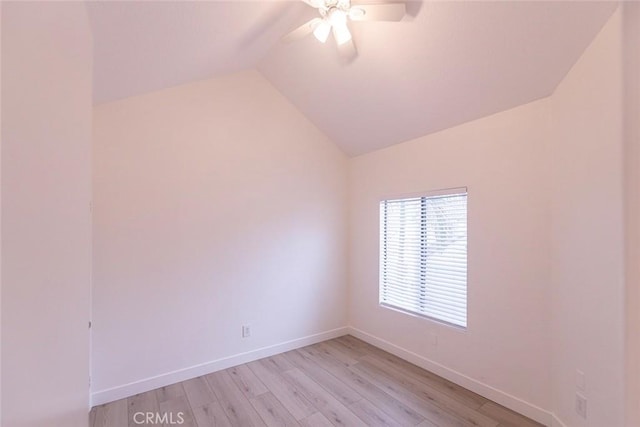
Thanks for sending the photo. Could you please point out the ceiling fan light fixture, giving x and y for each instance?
(337, 17)
(338, 20)
(322, 30)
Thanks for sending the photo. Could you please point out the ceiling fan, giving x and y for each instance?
(334, 16)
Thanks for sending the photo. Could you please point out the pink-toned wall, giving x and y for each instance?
(546, 246)
(0, 212)
(216, 204)
(587, 234)
(631, 58)
(504, 353)
(185, 225)
(46, 188)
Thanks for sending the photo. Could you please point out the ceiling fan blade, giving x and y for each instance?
(303, 30)
(341, 33)
(378, 12)
(347, 51)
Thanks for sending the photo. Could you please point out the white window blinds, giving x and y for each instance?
(423, 255)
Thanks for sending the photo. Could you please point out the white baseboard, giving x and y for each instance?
(556, 422)
(133, 388)
(485, 390)
(515, 404)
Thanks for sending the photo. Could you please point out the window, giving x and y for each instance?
(423, 255)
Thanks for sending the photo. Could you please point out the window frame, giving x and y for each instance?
(423, 195)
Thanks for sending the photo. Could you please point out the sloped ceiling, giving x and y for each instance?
(445, 64)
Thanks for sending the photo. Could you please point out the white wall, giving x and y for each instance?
(501, 160)
(0, 213)
(546, 247)
(216, 204)
(587, 274)
(631, 58)
(46, 188)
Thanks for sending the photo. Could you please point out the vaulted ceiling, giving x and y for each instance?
(446, 63)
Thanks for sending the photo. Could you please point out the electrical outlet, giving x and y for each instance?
(246, 331)
(581, 405)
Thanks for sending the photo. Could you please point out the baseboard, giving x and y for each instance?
(133, 388)
(515, 404)
(556, 422)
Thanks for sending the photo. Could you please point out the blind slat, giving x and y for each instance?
(423, 256)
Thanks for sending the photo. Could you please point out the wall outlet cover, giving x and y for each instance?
(581, 405)
(580, 380)
(246, 331)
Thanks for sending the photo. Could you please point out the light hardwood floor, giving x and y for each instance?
(341, 382)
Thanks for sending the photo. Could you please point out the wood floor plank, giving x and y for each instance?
(211, 415)
(92, 417)
(330, 407)
(115, 414)
(169, 392)
(355, 349)
(395, 408)
(236, 406)
(143, 402)
(346, 353)
(198, 392)
(355, 342)
(341, 391)
(330, 350)
(506, 417)
(329, 362)
(285, 391)
(247, 381)
(427, 423)
(278, 362)
(343, 382)
(272, 411)
(372, 415)
(177, 411)
(426, 408)
(316, 420)
(453, 390)
(429, 393)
